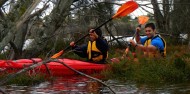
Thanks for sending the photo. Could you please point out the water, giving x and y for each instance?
(83, 85)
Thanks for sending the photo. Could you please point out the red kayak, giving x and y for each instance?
(55, 69)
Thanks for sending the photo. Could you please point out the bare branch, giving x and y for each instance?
(45, 62)
(37, 12)
(27, 13)
(146, 10)
(166, 4)
(95, 4)
(2, 2)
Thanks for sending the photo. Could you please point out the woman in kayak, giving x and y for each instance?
(96, 50)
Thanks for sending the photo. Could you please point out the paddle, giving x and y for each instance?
(124, 10)
(141, 20)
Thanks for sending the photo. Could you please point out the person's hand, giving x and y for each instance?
(138, 29)
(132, 42)
(93, 33)
(115, 60)
(72, 44)
(127, 50)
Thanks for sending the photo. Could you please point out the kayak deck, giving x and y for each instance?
(55, 68)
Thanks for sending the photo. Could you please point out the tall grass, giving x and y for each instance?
(174, 68)
(24, 79)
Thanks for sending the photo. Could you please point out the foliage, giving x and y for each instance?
(25, 79)
(172, 69)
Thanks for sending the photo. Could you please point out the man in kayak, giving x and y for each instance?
(96, 50)
(152, 45)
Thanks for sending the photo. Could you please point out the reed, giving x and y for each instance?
(172, 69)
(25, 79)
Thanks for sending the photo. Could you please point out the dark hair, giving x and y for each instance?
(151, 25)
(98, 31)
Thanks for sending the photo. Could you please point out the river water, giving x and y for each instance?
(83, 85)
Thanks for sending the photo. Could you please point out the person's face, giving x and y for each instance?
(149, 32)
(92, 36)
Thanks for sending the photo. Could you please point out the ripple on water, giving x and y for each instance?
(83, 85)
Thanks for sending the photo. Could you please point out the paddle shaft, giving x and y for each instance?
(125, 9)
(136, 32)
(88, 33)
(129, 45)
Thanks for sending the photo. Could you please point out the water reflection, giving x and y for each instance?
(68, 85)
(61, 85)
(83, 85)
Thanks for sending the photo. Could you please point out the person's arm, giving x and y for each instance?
(79, 50)
(149, 48)
(158, 43)
(102, 45)
(137, 37)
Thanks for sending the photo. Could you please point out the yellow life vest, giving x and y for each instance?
(93, 52)
(155, 54)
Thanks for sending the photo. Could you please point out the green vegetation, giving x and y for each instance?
(24, 79)
(174, 68)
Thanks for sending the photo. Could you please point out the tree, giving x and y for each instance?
(18, 19)
(171, 16)
(180, 17)
(23, 21)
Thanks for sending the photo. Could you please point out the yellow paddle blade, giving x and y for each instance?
(126, 9)
(142, 19)
(57, 54)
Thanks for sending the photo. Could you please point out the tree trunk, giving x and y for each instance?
(18, 28)
(159, 18)
(57, 16)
